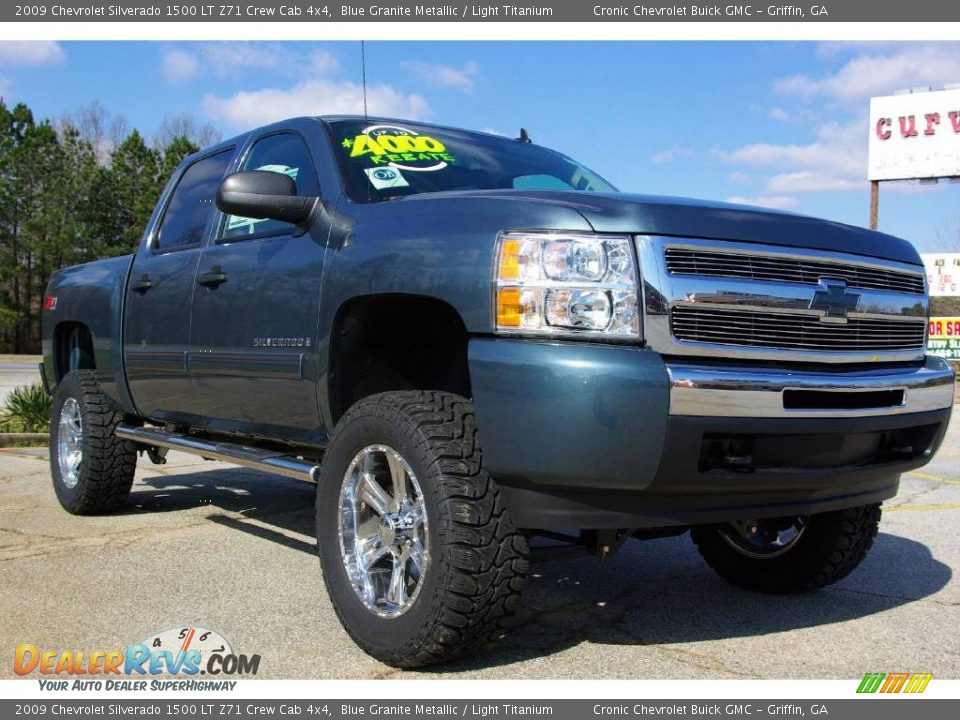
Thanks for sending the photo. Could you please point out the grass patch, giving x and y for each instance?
(27, 410)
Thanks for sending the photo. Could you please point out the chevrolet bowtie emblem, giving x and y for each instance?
(834, 300)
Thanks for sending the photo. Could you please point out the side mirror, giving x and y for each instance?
(261, 194)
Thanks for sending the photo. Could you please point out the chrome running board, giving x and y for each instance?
(267, 460)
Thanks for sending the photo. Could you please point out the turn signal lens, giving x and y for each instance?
(518, 308)
(518, 260)
(509, 309)
(510, 260)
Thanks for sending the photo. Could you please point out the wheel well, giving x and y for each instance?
(72, 349)
(396, 342)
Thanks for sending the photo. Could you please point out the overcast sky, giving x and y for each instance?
(780, 124)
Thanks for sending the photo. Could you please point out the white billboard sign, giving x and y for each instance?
(943, 273)
(915, 136)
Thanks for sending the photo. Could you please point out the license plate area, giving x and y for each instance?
(799, 399)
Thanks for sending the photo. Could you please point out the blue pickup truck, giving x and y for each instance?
(483, 353)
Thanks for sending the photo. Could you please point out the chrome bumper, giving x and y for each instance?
(725, 391)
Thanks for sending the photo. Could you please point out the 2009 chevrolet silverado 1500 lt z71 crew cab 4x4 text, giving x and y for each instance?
(470, 341)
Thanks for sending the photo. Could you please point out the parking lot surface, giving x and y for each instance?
(17, 370)
(233, 550)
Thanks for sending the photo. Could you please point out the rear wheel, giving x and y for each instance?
(791, 554)
(92, 469)
(419, 556)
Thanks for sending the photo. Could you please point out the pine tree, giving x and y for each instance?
(14, 211)
(70, 194)
(132, 185)
(176, 150)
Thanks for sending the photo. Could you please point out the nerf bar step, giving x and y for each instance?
(266, 460)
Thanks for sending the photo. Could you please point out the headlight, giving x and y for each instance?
(567, 284)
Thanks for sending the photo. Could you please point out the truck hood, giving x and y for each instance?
(684, 217)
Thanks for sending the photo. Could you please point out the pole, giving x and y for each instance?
(874, 202)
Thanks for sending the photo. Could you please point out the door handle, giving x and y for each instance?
(141, 285)
(215, 277)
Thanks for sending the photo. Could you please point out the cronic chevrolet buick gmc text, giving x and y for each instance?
(470, 342)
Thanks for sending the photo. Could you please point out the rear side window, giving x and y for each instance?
(192, 203)
(284, 153)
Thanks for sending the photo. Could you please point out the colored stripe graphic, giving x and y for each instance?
(894, 682)
(870, 683)
(918, 682)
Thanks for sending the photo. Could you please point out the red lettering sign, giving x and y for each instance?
(908, 126)
(883, 128)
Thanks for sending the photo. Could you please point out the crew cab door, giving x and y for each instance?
(161, 288)
(256, 308)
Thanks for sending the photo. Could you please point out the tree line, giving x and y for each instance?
(74, 189)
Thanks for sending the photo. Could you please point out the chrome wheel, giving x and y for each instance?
(383, 531)
(70, 442)
(763, 539)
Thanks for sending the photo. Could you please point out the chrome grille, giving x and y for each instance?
(790, 331)
(782, 268)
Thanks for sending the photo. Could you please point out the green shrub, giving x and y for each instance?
(27, 410)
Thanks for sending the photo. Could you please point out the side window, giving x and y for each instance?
(192, 203)
(284, 153)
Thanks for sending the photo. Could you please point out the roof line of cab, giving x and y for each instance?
(241, 138)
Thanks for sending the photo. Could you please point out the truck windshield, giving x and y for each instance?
(384, 160)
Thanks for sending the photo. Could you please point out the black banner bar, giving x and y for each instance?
(514, 11)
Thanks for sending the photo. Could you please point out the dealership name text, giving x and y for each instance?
(695, 709)
(910, 126)
(792, 11)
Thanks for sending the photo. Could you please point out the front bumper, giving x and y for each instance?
(778, 392)
(594, 436)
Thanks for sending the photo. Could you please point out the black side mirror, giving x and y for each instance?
(261, 194)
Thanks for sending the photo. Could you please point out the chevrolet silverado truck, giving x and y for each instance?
(483, 353)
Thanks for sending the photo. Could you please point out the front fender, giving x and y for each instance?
(440, 248)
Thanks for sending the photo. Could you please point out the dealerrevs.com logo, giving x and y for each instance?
(183, 653)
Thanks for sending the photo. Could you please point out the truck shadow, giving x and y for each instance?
(269, 506)
(656, 592)
(660, 592)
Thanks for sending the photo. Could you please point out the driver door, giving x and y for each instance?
(253, 339)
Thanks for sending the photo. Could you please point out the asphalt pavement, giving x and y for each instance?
(17, 370)
(233, 550)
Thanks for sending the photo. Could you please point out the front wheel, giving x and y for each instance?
(419, 556)
(790, 554)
